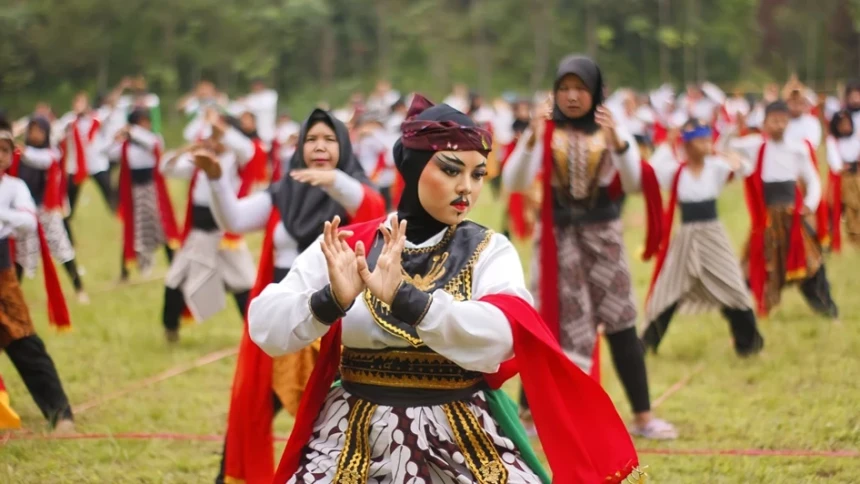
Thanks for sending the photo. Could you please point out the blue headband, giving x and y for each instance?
(699, 132)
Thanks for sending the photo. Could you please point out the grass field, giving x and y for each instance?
(800, 394)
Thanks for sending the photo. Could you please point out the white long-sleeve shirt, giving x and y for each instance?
(239, 152)
(95, 148)
(805, 127)
(784, 161)
(39, 158)
(141, 149)
(523, 166)
(472, 334)
(17, 209)
(707, 185)
(264, 106)
(252, 213)
(841, 151)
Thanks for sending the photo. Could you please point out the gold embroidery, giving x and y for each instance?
(405, 369)
(459, 286)
(481, 456)
(424, 250)
(354, 461)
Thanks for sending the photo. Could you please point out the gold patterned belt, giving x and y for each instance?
(417, 369)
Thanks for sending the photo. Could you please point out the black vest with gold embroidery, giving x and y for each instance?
(446, 265)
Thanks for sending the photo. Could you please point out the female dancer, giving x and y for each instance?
(421, 351)
(325, 180)
(698, 269)
(843, 154)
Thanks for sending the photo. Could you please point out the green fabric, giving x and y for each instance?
(504, 410)
(155, 118)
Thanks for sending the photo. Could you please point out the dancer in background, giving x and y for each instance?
(18, 337)
(697, 269)
(843, 154)
(324, 180)
(582, 277)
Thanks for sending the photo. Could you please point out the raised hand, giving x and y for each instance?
(314, 177)
(606, 121)
(207, 161)
(346, 283)
(387, 276)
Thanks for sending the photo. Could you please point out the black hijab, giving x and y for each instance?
(836, 119)
(587, 70)
(852, 86)
(410, 163)
(45, 125)
(304, 208)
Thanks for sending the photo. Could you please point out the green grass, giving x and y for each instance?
(801, 393)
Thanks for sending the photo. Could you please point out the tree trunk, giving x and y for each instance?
(590, 30)
(328, 55)
(541, 16)
(481, 51)
(688, 48)
(663, 21)
(383, 39)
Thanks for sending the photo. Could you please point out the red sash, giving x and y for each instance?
(668, 221)
(822, 218)
(80, 152)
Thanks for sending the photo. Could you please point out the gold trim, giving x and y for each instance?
(405, 369)
(481, 456)
(354, 462)
(423, 250)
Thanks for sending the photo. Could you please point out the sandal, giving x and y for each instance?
(655, 429)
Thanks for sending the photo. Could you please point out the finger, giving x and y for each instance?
(386, 237)
(345, 234)
(361, 262)
(329, 257)
(327, 238)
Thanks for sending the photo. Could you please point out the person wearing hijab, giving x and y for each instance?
(586, 163)
(424, 314)
(210, 262)
(324, 180)
(18, 337)
(697, 269)
(39, 167)
(843, 155)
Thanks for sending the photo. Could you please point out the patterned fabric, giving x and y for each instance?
(582, 160)
(148, 232)
(776, 240)
(27, 253)
(405, 445)
(701, 272)
(290, 375)
(594, 286)
(851, 201)
(15, 322)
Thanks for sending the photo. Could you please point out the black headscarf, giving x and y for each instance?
(837, 119)
(852, 86)
(410, 163)
(304, 208)
(587, 70)
(45, 125)
(137, 115)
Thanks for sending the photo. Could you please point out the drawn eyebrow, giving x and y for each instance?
(452, 159)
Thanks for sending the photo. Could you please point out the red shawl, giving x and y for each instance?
(668, 221)
(250, 442)
(58, 312)
(795, 263)
(276, 160)
(822, 218)
(584, 439)
(548, 250)
(834, 181)
(126, 204)
(80, 151)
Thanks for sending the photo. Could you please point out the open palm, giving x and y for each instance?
(387, 276)
(346, 283)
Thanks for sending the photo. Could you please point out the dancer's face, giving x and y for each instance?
(5, 155)
(573, 97)
(450, 184)
(321, 149)
(775, 124)
(844, 126)
(36, 135)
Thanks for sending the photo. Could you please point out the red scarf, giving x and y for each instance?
(822, 218)
(834, 181)
(668, 221)
(795, 263)
(276, 160)
(126, 204)
(548, 255)
(584, 439)
(80, 152)
(55, 186)
(250, 442)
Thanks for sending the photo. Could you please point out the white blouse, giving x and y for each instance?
(239, 152)
(141, 149)
(472, 334)
(17, 209)
(252, 213)
(523, 165)
(785, 160)
(706, 186)
(39, 158)
(841, 151)
(805, 127)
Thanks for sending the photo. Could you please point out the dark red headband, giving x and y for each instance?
(446, 135)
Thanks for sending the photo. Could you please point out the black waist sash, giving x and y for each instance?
(141, 176)
(406, 377)
(5, 254)
(567, 211)
(851, 167)
(779, 193)
(202, 219)
(703, 211)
